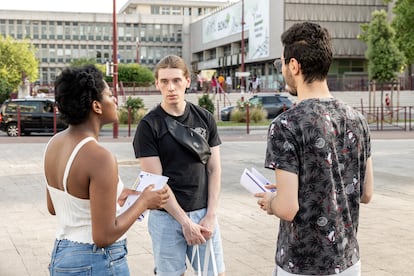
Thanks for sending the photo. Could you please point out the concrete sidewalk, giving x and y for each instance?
(386, 225)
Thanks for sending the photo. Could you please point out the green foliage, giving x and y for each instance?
(205, 102)
(384, 58)
(135, 73)
(82, 62)
(17, 60)
(137, 110)
(256, 115)
(238, 115)
(135, 103)
(403, 25)
(136, 115)
(5, 89)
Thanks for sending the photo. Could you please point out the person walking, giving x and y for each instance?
(214, 84)
(321, 153)
(190, 216)
(84, 190)
(388, 103)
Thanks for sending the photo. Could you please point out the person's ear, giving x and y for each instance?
(294, 66)
(96, 107)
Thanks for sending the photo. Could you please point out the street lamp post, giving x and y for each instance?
(115, 62)
(137, 53)
(242, 86)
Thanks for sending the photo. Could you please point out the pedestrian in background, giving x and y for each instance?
(388, 102)
(214, 84)
(321, 153)
(229, 84)
(190, 216)
(84, 190)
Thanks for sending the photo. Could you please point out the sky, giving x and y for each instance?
(100, 6)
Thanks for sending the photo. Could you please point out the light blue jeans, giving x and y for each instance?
(170, 247)
(73, 258)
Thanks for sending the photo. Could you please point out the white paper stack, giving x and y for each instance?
(254, 181)
(144, 180)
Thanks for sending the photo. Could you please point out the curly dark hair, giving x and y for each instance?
(310, 44)
(75, 90)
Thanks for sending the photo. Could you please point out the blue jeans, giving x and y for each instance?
(170, 247)
(72, 258)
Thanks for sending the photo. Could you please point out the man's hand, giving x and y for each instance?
(209, 223)
(194, 233)
(265, 201)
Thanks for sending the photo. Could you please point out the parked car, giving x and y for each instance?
(36, 115)
(225, 112)
(274, 104)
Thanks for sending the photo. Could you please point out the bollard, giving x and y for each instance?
(18, 120)
(247, 118)
(129, 121)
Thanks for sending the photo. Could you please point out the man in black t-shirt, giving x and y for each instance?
(189, 217)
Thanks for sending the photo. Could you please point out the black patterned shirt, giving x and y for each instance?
(326, 143)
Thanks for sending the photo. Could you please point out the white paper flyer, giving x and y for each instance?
(144, 180)
(254, 182)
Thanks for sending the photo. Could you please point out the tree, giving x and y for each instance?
(403, 26)
(384, 57)
(17, 62)
(82, 62)
(135, 73)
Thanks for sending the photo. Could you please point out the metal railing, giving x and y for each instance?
(393, 118)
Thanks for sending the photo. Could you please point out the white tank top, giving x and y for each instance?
(74, 214)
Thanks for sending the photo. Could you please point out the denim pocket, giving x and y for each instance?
(118, 260)
(78, 271)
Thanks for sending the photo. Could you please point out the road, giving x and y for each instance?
(386, 236)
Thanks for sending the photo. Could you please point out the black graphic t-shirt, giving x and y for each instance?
(326, 143)
(188, 177)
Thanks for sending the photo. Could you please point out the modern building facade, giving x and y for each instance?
(217, 38)
(207, 34)
(147, 31)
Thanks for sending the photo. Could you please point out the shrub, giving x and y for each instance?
(205, 102)
(256, 114)
(136, 115)
(238, 115)
(135, 103)
(137, 110)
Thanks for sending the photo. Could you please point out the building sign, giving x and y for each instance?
(228, 22)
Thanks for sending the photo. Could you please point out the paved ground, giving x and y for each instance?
(386, 225)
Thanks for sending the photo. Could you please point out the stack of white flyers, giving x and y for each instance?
(254, 181)
(144, 180)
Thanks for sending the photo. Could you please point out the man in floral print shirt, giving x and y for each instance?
(321, 153)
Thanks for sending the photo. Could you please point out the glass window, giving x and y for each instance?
(143, 33)
(176, 11)
(187, 11)
(165, 10)
(36, 30)
(29, 107)
(155, 9)
(52, 31)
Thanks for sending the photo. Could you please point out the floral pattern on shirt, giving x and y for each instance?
(326, 143)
